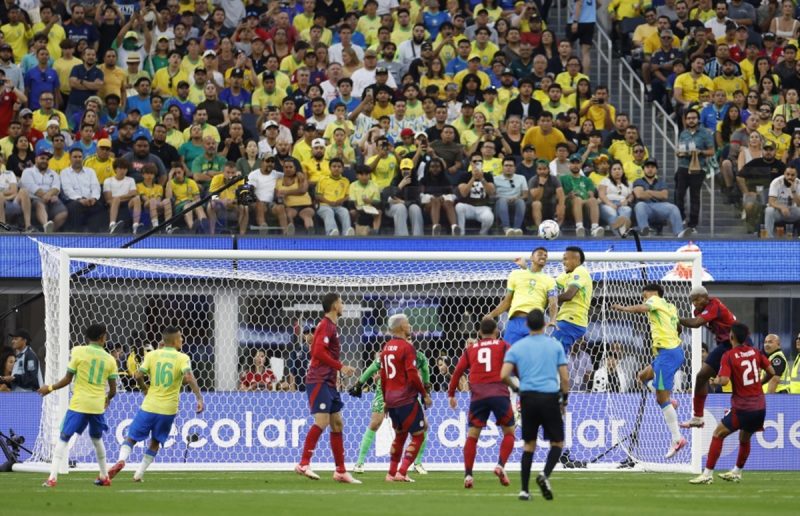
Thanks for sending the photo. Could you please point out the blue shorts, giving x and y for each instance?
(146, 424)
(323, 398)
(76, 422)
(408, 418)
(500, 406)
(665, 365)
(751, 421)
(516, 329)
(715, 356)
(567, 334)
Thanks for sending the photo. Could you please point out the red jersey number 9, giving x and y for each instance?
(485, 358)
(388, 366)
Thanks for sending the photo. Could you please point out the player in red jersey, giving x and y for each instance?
(323, 398)
(741, 367)
(401, 384)
(707, 311)
(488, 395)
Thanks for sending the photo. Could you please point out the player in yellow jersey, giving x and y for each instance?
(665, 332)
(575, 285)
(91, 366)
(526, 289)
(168, 370)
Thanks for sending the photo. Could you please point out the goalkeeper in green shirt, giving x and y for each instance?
(378, 411)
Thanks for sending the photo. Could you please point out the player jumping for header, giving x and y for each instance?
(665, 332)
(91, 367)
(488, 395)
(527, 289)
(323, 398)
(740, 366)
(169, 370)
(401, 384)
(707, 311)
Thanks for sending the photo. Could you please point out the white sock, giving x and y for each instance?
(155, 222)
(736, 470)
(671, 417)
(594, 226)
(124, 452)
(708, 472)
(650, 386)
(58, 458)
(100, 450)
(579, 224)
(146, 461)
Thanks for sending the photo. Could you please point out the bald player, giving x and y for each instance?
(527, 288)
(708, 311)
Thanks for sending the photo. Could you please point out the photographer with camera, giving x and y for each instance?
(475, 191)
(599, 110)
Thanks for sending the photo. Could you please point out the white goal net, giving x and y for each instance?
(239, 310)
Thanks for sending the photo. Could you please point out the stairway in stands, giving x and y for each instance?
(727, 221)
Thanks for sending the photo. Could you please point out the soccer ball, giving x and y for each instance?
(549, 229)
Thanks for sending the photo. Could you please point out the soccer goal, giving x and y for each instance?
(239, 310)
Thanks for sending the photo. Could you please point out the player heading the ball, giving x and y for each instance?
(402, 384)
(91, 366)
(527, 288)
(168, 369)
(666, 341)
(740, 366)
(488, 395)
(324, 400)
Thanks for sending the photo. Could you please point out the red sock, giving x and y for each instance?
(397, 451)
(337, 447)
(311, 443)
(714, 452)
(411, 452)
(699, 404)
(506, 447)
(470, 448)
(744, 452)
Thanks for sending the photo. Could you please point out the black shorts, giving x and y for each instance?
(541, 410)
(585, 33)
(751, 421)
(715, 356)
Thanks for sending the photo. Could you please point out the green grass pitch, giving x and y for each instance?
(277, 494)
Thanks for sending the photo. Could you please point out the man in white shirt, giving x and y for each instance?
(717, 24)
(330, 88)
(120, 190)
(82, 193)
(45, 185)
(411, 49)
(335, 51)
(784, 200)
(365, 76)
(14, 201)
(264, 180)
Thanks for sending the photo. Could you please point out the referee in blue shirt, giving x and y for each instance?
(543, 385)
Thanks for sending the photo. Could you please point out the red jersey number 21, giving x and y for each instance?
(485, 358)
(750, 372)
(388, 366)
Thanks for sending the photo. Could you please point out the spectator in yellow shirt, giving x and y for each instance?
(184, 191)
(17, 32)
(599, 110)
(332, 194)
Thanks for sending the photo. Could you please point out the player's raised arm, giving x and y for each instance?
(191, 381)
(632, 309)
(692, 322)
(44, 390)
(568, 294)
(461, 368)
(502, 307)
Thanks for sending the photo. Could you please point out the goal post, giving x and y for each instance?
(239, 309)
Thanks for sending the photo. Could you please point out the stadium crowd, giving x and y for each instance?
(349, 117)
